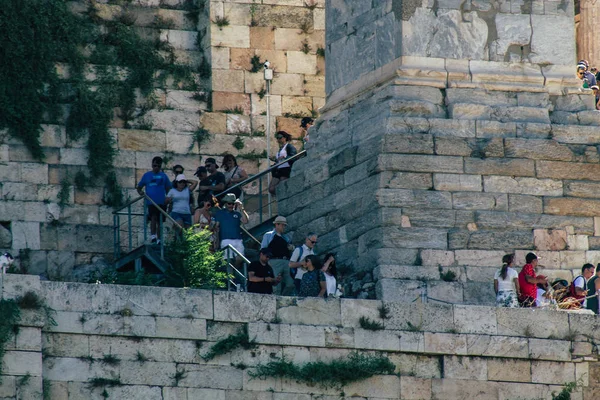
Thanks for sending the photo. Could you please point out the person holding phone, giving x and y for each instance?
(261, 278)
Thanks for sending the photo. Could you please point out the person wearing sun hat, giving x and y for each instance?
(280, 246)
(228, 222)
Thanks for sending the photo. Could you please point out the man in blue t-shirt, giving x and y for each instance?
(157, 185)
(228, 223)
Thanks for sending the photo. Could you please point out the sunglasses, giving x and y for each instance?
(278, 137)
(155, 165)
(312, 241)
(179, 172)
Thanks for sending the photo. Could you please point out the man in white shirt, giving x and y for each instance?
(296, 260)
(579, 283)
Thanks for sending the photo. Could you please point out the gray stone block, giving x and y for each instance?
(419, 316)
(308, 311)
(243, 307)
(498, 346)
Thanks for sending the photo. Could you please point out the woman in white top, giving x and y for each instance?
(506, 284)
(330, 272)
(286, 150)
(179, 197)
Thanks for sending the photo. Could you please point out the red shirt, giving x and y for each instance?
(527, 289)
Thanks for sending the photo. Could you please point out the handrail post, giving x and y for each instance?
(260, 200)
(129, 227)
(161, 236)
(115, 241)
(145, 222)
(246, 275)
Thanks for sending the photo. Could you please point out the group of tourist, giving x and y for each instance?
(589, 79)
(214, 202)
(528, 289)
(292, 270)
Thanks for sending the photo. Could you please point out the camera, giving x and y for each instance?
(267, 64)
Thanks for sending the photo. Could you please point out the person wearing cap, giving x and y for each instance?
(227, 223)
(157, 185)
(528, 281)
(286, 150)
(280, 246)
(261, 278)
(306, 124)
(179, 198)
(214, 183)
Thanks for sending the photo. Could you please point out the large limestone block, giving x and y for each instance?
(479, 201)
(455, 182)
(445, 343)
(184, 40)
(25, 235)
(283, 16)
(574, 134)
(425, 317)
(262, 38)
(468, 368)
(570, 206)
(565, 170)
(173, 120)
(507, 370)
(399, 290)
(230, 36)
(421, 163)
(141, 140)
(444, 34)
(211, 376)
(181, 328)
(66, 345)
(561, 49)
(32, 172)
(520, 185)
(243, 307)
(500, 166)
(553, 350)
(228, 80)
(473, 319)
(537, 149)
(308, 311)
(65, 369)
(512, 29)
(301, 63)
(537, 323)
(497, 346)
(552, 372)
(288, 84)
(296, 105)
(457, 389)
(147, 373)
(412, 388)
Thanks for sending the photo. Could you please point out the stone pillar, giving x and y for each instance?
(446, 142)
(588, 34)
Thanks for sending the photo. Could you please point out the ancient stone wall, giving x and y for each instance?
(66, 241)
(426, 165)
(148, 342)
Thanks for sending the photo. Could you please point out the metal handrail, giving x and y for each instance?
(262, 173)
(243, 275)
(130, 202)
(250, 235)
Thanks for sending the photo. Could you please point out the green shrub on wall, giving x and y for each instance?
(103, 67)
